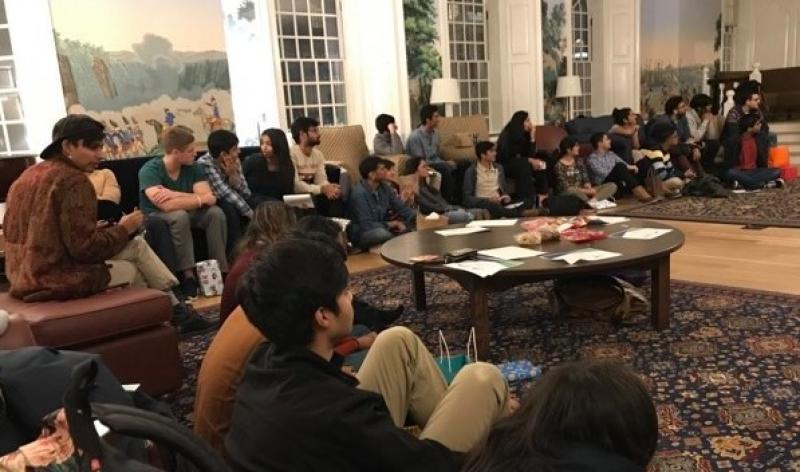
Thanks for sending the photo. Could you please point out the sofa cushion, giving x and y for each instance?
(581, 129)
(88, 320)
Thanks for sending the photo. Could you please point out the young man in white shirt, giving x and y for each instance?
(309, 163)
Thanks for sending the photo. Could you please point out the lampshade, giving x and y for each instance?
(568, 86)
(445, 91)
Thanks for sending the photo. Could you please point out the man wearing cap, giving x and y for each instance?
(55, 248)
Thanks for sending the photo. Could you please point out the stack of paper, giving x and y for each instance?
(299, 200)
(460, 231)
(645, 233)
(601, 204)
(491, 223)
(482, 268)
(589, 255)
(510, 253)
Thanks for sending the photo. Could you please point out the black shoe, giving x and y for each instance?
(189, 288)
(188, 322)
(385, 318)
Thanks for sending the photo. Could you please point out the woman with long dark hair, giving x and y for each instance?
(516, 152)
(588, 416)
(270, 173)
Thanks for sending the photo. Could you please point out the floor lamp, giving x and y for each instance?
(568, 87)
(445, 91)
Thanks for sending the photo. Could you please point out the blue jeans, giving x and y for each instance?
(753, 178)
(355, 359)
(372, 237)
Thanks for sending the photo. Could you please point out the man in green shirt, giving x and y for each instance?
(175, 189)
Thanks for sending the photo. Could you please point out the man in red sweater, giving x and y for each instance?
(751, 172)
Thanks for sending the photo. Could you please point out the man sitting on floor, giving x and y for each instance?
(224, 173)
(56, 249)
(370, 203)
(297, 410)
(745, 164)
(423, 142)
(485, 186)
(174, 189)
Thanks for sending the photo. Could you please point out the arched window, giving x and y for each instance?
(312, 65)
(582, 56)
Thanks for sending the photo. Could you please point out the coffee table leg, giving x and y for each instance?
(419, 289)
(660, 299)
(479, 304)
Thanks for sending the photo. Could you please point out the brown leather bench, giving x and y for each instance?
(128, 327)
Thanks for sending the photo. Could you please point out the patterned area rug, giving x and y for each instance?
(725, 377)
(773, 207)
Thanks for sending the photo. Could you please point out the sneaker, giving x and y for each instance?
(189, 288)
(736, 185)
(780, 183)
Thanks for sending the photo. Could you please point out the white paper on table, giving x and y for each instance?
(299, 200)
(609, 220)
(589, 255)
(510, 253)
(645, 233)
(601, 204)
(491, 223)
(482, 268)
(511, 206)
(460, 231)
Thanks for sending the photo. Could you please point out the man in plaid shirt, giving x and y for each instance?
(223, 170)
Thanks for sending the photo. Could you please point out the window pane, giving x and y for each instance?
(294, 72)
(302, 25)
(286, 101)
(3, 144)
(317, 26)
(479, 33)
(5, 44)
(484, 89)
(289, 48)
(333, 49)
(301, 5)
(459, 29)
(323, 71)
(331, 27)
(469, 33)
(330, 7)
(305, 48)
(327, 115)
(337, 71)
(16, 135)
(11, 107)
(325, 93)
(309, 72)
(313, 112)
(7, 74)
(285, 5)
(319, 49)
(315, 6)
(341, 115)
(3, 18)
(296, 93)
(311, 95)
(297, 113)
(338, 91)
(287, 25)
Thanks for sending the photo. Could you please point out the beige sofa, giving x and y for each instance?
(457, 136)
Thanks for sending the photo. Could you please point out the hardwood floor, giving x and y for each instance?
(766, 259)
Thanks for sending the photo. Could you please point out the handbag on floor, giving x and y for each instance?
(598, 296)
(451, 364)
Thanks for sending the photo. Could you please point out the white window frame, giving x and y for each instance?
(581, 54)
(7, 93)
(287, 106)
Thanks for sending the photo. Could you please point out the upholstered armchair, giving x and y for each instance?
(457, 136)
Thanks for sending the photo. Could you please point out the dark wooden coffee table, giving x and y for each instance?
(652, 255)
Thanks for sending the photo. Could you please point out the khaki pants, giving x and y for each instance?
(404, 373)
(603, 192)
(138, 266)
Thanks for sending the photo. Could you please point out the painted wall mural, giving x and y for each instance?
(554, 56)
(422, 52)
(678, 38)
(142, 66)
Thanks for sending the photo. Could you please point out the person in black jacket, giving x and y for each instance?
(270, 173)
(296, 409)
(590, 417)
(516, 152)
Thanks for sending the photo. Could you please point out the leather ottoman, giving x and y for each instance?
(128, 327)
